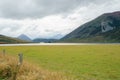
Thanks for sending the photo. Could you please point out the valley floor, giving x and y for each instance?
(84, 62)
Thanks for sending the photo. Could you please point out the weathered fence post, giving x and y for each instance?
(18, 66)
(4, 51)
(20, 59)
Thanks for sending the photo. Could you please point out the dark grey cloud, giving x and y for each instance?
(21, 9)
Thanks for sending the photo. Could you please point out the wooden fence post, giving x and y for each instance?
(4, 51)
(18, 66)
(20, 58)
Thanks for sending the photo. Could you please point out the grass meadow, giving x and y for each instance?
(84, 62)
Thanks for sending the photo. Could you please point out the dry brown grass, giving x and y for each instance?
(27, 71)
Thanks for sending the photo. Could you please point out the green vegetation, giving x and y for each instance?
(103, 38)
(85, 62)
(5, 39)
(11, 70)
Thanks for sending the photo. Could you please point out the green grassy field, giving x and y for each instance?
(85, 62)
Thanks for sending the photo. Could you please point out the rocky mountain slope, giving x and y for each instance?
(105, 28)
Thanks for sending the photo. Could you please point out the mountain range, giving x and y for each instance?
(38, 40)
(105, 28)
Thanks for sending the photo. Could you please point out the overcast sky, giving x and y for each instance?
(50, 18)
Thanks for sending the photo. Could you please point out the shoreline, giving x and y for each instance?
(50, 44)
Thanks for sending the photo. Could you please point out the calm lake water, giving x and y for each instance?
(40, 44)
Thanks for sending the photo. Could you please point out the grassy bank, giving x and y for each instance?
(10, 70)
(86, 62)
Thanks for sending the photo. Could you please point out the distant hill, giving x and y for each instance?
(24, 37)
(9, 40)
(105, 28)
(37, 40)
(57, 36)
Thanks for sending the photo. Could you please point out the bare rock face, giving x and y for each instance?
(105, 26)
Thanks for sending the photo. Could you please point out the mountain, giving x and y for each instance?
(37, 40)
(57, 36)
(24, 37)
(105, 28)
(9, 40)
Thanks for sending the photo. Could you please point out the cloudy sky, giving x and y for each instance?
(50, 18)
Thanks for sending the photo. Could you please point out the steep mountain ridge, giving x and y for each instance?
(105, 26)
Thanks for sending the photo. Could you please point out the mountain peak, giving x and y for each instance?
(24, 37)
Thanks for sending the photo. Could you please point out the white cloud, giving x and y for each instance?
(46, 27)
(53, 21)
